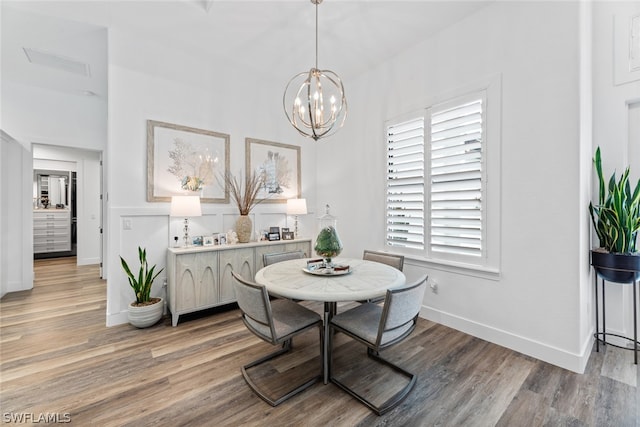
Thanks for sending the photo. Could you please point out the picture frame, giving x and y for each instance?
(183, 159)
(207, 240)
(273, 236)
(196, 240)
(279, 164)
(288, 235)
(222, 239)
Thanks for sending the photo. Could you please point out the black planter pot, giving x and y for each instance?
(620, 268)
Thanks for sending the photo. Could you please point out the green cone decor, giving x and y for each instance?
(328, 244)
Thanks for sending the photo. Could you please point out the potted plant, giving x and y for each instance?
(616, 219)
(144, 311)
(246, 197)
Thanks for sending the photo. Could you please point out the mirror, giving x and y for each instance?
(52, 190)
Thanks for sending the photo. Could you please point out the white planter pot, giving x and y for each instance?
(147, 315)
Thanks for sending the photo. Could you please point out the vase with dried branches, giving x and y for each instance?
(244, 193)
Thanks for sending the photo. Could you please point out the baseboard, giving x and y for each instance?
(88, 261)
(555, 356)
(117, 318)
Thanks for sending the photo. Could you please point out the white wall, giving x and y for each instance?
(16, 219)
(148, 81)
(533, 306)
(616, 101)
(37, 115)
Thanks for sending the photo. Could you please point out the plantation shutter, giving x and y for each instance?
(405, 184)
(456, 156)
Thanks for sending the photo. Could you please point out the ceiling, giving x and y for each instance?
(273, 37)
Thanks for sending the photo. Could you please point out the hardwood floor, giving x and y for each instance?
(59, 360)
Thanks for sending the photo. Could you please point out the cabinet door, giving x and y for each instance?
(207, 289)
(196, 280)
(240, 261)
(186, 282)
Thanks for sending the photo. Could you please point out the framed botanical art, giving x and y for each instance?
(279, 165)
(184, 159)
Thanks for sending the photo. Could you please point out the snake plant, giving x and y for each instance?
(142, 283)
(616, 217)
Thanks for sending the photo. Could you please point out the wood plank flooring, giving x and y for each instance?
(59, 360)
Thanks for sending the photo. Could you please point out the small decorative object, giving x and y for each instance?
(245, 197)
(144, 311)
(45, 202)
(287, 235)
(274, 233)
(207, 240)
(232, 237)
(616, 219)
(192, 183)
(222, 238)
(273, 236)
(328, 244)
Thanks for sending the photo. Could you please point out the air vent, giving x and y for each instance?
(56, 61)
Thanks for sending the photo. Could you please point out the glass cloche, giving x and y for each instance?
(328, 244)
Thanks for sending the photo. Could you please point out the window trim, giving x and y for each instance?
(489, 264)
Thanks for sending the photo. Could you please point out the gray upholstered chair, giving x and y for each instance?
(268, 259)
(379, 327)
(393, 260)
(396, 261)
(277, 323)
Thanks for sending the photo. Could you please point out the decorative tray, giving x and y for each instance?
(340, 271)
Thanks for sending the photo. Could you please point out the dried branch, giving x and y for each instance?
(245, 194)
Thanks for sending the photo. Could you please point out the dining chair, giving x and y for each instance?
(268, 259)
(275, 322)
(396, 261)
(393, 260)
(379, 327)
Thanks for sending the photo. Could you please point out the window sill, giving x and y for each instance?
(454, 267)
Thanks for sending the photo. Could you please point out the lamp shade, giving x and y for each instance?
(296, 206)
(185, 206)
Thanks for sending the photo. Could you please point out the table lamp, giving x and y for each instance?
(185, 206)
(296, 207)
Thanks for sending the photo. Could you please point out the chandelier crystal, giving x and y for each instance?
(314, 100)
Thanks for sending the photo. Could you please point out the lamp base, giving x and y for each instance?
(186, 232)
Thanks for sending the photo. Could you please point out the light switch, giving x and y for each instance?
(126, 224)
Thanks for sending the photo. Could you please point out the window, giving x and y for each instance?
(456, 177)
(405, 184)
(436, 182)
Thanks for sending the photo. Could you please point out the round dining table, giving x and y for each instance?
(362, 280)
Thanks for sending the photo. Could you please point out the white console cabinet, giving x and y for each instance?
(199, 277)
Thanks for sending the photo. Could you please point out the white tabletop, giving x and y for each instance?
(367, 280)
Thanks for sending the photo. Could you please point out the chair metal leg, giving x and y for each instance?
(286, 347)
(394, 400)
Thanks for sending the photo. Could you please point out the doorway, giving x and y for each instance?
(67, 183)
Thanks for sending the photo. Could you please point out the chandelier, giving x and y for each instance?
(314, 101)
